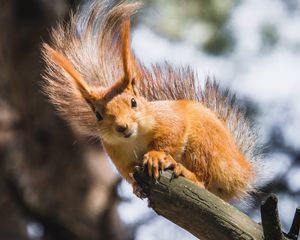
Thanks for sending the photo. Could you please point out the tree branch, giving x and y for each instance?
(294, 231)
(208, 217)
(197, 210)
(270, 219)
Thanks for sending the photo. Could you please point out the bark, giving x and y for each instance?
(270, 219)
(202, 213)
(294, 231)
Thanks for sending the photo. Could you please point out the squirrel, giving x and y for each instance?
(155, 116)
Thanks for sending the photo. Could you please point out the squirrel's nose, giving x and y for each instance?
(121, 128)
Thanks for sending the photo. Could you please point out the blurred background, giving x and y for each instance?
(57, 185)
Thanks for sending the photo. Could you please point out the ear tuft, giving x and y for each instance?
(126, 50)
(130, 64)
(64, 63)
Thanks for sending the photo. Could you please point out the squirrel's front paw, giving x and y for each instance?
(156, 161)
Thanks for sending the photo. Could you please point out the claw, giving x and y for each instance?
(156, 161)
(155, 168)
(172, 176)
(177, 170)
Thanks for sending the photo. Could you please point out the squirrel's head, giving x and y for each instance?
(121, 115)
(119, 110)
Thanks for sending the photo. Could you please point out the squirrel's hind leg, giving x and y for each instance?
(180, 170)
(159, 160)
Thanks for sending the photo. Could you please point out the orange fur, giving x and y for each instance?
(191, 135)
(155, 118)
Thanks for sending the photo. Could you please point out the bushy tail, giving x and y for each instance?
(224, 104)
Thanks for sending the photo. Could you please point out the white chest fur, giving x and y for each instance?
(135, 150)
(127, 152)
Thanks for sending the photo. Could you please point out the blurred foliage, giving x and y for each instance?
(201, 22)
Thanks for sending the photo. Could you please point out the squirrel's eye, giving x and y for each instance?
(133, 103)
(98, 116)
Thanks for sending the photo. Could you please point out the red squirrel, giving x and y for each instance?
(157, 117)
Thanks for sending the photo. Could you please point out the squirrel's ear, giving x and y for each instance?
(63, 62)
(130, 65)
